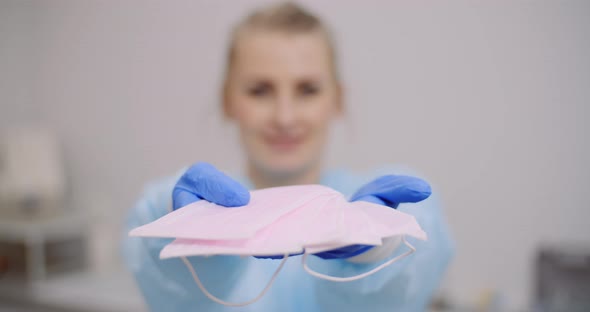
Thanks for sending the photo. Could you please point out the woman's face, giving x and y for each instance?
(282, 93)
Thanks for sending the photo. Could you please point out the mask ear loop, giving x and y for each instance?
(363, 275)
(232, 304)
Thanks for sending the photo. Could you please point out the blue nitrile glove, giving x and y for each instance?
(203, 181)
(388, 190)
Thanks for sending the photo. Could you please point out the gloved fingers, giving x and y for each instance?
(214, 186)
(344, 252)
(206, 182)
(277, 257)
(182, 197)
(394, 190)
(340, 253)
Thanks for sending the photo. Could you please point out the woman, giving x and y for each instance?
(283, 90)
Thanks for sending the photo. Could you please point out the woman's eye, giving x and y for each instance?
(307, 89)
(259, 91)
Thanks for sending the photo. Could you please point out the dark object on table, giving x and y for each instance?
(563, 279)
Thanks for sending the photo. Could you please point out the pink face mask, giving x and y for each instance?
(208, 221)
(289, 234)
(280, 221)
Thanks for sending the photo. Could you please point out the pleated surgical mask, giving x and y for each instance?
(305, 219)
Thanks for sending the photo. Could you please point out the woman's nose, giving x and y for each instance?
(285, 112)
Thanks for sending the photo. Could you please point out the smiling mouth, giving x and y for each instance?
(284, 144)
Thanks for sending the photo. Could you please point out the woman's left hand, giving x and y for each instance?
(388, 190)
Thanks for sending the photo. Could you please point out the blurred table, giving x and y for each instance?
(35, 233)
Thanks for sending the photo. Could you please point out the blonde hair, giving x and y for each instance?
(286, 17)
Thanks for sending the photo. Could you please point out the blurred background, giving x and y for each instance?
(488, 100)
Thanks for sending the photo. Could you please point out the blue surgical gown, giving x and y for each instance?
(406, 285)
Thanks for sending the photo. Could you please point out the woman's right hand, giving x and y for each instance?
(203, 181)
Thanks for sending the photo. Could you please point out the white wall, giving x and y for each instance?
(18, 62)
(488, 100)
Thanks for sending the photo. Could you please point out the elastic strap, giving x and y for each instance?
(231, 304)
(357, 277)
